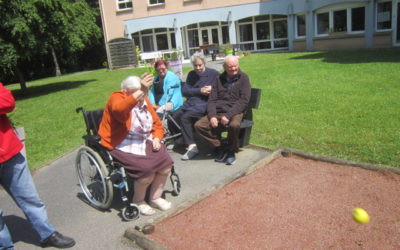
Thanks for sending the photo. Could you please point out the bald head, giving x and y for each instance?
(231, 65)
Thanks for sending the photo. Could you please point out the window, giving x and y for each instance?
(155, 39)
(147, 43)
(173, 41)
(322, 23)
(301, 26)
(208, 24)
(280, 29)
(264, 45)
(263, 31)
(156, 2)
(124, 4)
(247, 46)
(384, 16)
(339, 21)
(349, 20)
(136, 39)
(246, 32)
(358, 19)
(225, 34)
(162, 41)
(214, 35)
(193, 38)
(262, 18)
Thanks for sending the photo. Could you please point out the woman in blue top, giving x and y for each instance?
(162, 84)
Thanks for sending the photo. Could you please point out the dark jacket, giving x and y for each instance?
(191, 89)
(231, 101)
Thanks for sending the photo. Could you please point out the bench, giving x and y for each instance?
(247, 122)
(93, 119)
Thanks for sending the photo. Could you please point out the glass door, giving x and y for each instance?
(214, 35)
(204, 37)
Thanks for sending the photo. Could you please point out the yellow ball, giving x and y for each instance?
(360, 215)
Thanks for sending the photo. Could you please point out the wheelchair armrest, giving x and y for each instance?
(91, 138)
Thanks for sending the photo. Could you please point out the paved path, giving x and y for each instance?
(93, 229)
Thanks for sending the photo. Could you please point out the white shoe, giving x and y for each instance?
(190, 153)
(161, 204)
(145, 209)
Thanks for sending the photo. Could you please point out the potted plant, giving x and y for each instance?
(227, 49)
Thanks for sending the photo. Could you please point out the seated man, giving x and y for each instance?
(228, 100)
(196, 90)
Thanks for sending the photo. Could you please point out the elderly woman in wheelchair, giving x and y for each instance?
(132, 132)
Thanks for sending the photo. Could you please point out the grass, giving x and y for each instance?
(341, 104)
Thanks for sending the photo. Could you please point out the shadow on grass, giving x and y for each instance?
(355, 56)
(35, 91)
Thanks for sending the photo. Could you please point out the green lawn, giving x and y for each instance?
(340, 104)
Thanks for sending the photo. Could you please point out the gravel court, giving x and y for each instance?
(292, 203)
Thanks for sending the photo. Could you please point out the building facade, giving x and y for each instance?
(251, 25)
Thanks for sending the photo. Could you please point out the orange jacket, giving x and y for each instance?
(116, 122)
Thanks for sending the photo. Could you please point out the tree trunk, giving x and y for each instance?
(21, 78)
(53, 53)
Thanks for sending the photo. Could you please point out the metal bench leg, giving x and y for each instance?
(244, 137)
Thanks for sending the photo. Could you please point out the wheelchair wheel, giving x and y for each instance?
(92, 175)
(130, 212)
(176, 184)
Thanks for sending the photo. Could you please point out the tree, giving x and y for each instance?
(17, 39)
(68, 26)
(32, 28)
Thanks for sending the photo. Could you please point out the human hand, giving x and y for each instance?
(146, 80)
(169, 106)
(214, 122)
(138, 95)
(206, 90)
(156, 144)
(224, 120)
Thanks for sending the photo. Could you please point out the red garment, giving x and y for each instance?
(10, 145)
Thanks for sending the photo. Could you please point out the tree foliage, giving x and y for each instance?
(31, 29)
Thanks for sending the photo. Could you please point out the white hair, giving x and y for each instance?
(231, 58)
(131, 83)
(198, 55)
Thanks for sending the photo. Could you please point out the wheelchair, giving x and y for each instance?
(100, 175)
(168, 121)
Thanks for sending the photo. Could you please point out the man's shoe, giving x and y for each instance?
(230, 158)
(59, 241)
(220, 155)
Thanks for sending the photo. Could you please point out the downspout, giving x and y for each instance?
(291, 27)
(369, 24)
(105, 34)
(309, 25)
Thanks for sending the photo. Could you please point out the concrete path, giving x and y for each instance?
(93, 229)
(58, 187)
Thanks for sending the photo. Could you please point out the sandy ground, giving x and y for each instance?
(292, 203)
